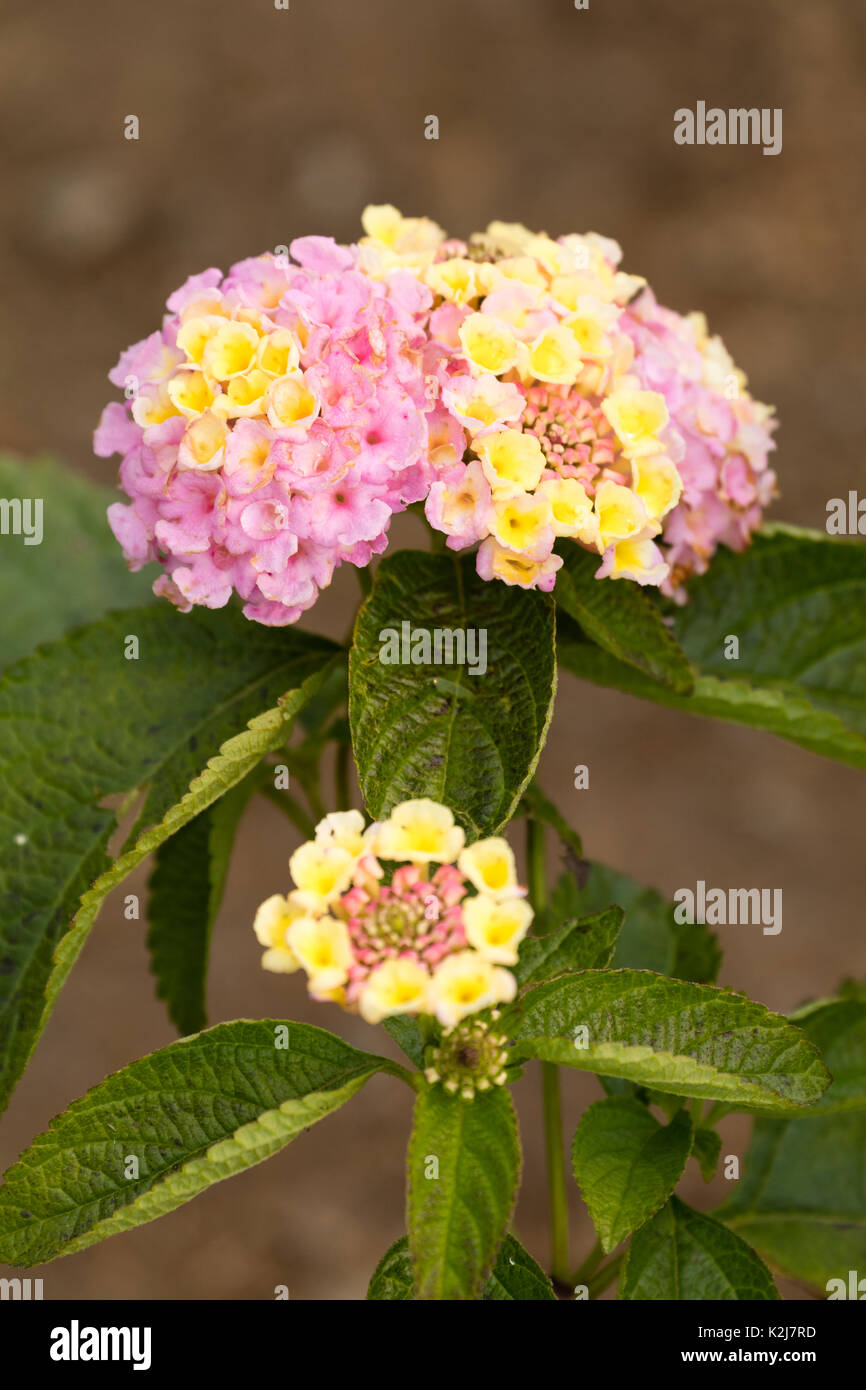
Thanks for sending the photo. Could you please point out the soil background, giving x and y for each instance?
(258, 125)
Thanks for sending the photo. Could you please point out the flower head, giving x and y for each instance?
(284, 412)
(384, 922)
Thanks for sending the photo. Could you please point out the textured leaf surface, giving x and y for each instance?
(682, 1254)
(681, 1038)
(797, 602)
(75, 573)
(515, 1276)
(585, 944)
(627, 1164)
(621, 618)
(838, 1030)
(79, 724)
(186, 890)
(471, 741)
(457, 1219)
(191, 1114)
(801, 1200)
(413, 1032)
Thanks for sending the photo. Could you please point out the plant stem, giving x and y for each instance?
(550, 1091)
(341, 777)
(364, 579)
(605, 1276)
(289, 807)
(583, 1272)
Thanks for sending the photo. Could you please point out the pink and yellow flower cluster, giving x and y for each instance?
(523, 388)
(433, 934)
(273, 425)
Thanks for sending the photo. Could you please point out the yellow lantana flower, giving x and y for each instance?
(512, 462)
(323, 948)
(489, 864)
(656, 480)
(637, 418)
(621, 513)
(465, 983)
(554, 356)
(522, 523)
(322, 872)
(420, 831)
(488, 343)
(271, 925)
(395, 987)
(571, 509)
(496, 927)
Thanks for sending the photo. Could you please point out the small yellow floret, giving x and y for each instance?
(489, 864)
(512, 462)
(395, 987)
(496, 927)
(488, 343)
(420, 831)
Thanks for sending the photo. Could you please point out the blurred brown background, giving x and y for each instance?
(258, 125)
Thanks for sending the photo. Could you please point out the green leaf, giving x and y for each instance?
(650, 938)
(575, 945)
(802, 1198)
(191, 1114)
(838, 1030)
(676, 1037)
(79, 724)
(392, 1277)
(515, 1276)
(683, 1254)
(75, 573)
(706, 1148)
(796, 600)
(186, 890)
(464, 1168)
(621, 618)
(471, 741)
(413, 1033)
(627, 1164)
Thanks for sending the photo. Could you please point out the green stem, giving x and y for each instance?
(550, 1090)
(341, 777)
(290, 808)
(584, 1272)
(311, 792)
(365, 579)
(605, 1276)
(715, 1113)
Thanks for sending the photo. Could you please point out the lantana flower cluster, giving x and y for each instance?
(402, 917)
(273, 425)
(523, 388)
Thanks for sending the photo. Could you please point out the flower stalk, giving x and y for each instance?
(550, 1086)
